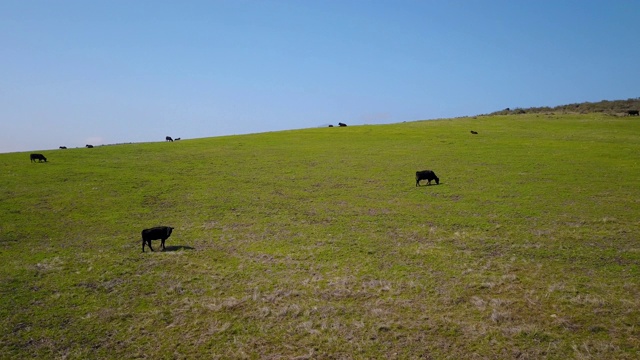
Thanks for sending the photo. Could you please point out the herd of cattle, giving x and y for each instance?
(163, 232)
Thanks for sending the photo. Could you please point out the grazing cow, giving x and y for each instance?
(89, 146)
(176, 139)
(63, 147)
(342, 124)
(38, 157)
(474, 132)
(426, 175)
(155, 233)
(633, 113)
(330, 125)
(168, 138)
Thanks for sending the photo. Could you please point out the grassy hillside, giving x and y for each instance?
(317, 244)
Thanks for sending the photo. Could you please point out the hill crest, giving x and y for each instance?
(610, 107)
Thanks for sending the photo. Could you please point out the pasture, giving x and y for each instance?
(317, 244)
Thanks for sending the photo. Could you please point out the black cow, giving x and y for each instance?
(38, 157)
(474, 132)
(633, 113)
(426, 175)
(168, 138)
(342, 124)
(89, 146)
(63, 147)
(330, 125)
(155, 233)
(177, 139)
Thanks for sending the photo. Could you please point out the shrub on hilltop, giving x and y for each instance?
(614, 107)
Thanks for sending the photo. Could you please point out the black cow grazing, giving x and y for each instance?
(330, 125)
(155, 233)
(633, 113)
(474, 132)
(38, 157)
(342, 124)
(89, 146)
(63, 147)
(426, 175)
(176, 139)
(168, 138)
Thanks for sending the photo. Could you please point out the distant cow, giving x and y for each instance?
(342, 124)
(89, 146)
(330, 125)
(633, 113)
(177, 139)
(155, 233)
(474, 132)
(168, 138)
(426, 175)
(63, 147)
(38, 157)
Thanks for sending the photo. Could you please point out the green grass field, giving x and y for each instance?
(317, 244)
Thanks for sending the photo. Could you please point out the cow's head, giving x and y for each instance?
(169, 230)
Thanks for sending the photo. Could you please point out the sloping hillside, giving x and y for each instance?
(317, 244)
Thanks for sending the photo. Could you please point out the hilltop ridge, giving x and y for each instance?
(610, 107)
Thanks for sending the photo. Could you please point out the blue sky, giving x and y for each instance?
(118, 71)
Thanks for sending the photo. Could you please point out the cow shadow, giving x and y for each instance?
(427, 185)
(178, 247)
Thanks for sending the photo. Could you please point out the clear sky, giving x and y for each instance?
(119, 71)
